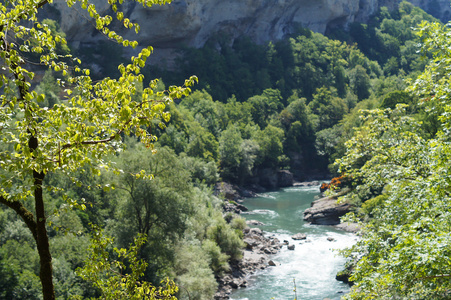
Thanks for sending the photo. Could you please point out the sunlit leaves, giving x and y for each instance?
(405, 247)
(89, 122)
(107, 271)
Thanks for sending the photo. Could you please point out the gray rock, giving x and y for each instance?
(234, 284)
(233, 207)
(254, 223)
(227, 190)
(270, 250)
(299, 236)
(241, 207)
(267, 178)
(192, 23)
(271, 263)
(326, 211)
(247, 193)
(349, 227)
(331, 239)
(290, 247)
(250, 242)
(284, 178)
(256, 231)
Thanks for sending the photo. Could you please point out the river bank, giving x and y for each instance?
(256, 256)
(257, 260)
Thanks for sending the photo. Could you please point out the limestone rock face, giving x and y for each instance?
(193, 22)
(440, 9)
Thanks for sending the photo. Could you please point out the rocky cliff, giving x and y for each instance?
(441, 9)
(193, 22)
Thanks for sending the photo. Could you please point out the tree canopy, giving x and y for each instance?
(402, 178)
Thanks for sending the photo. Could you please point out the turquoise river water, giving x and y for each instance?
(311, 266)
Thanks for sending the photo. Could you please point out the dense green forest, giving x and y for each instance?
(127, 166)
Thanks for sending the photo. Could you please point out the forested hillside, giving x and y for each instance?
(108, 181)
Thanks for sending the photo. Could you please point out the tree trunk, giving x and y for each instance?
(40, 234)
(42, 240)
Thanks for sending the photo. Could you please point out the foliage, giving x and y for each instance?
(109, 274)
(230, 152)
(360, 82)
(228, 240)
(79, 132)
(389, 38)
(157, 208)
(396, 97)
(271, 148)
(336, 183)
(403, 248)
(369, 205)
(194, 274)
(175, 210)
(304, 62)
(199, 256)
(404, 251)
(329, 108)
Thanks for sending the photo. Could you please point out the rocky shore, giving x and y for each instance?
(256, 256)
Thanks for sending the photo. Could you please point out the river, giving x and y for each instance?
(313, 263)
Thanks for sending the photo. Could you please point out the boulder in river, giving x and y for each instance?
(290, 247)
(233, 207)
(299, 236)
(251, 242)
(326, 211)
(254, 223)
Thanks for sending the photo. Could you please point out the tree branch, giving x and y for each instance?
(435, 276)
(23, 212)
(92, 142)
(21, 15)
(95, 142)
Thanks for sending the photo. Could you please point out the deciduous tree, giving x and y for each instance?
(79, 132)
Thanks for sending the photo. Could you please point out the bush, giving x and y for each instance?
(369, 205)
(194, 276)
(228, 239)
(218, 260)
